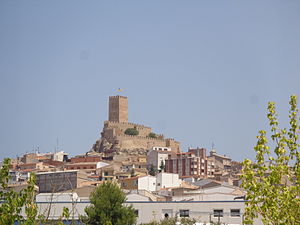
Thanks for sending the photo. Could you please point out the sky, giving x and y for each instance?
(201, 72)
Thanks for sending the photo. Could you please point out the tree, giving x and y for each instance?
(12, 202)
(107, 207)
(152, 171)
(152, 135)
(162, 166)
(272, 181)
(132, 173)
(131, 131)
(173, 221)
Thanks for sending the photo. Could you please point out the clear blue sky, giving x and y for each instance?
(197, 71)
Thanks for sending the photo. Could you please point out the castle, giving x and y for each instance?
(114, 139)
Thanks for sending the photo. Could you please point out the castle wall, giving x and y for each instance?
(174, 145)
(134, 142)
(114, 133)
(120, 127)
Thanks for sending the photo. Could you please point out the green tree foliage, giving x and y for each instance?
(107, 207)
(162, 166)
(152, 171)
(12, 202)
(132, 173)
(173, 221)
(152, 135)
(272, 181)
(131, 131)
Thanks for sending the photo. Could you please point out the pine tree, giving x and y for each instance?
(152, 171)
(108, 207)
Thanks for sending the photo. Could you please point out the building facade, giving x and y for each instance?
(50, 182)
(205, 212)
(189, 164)
(157, 156)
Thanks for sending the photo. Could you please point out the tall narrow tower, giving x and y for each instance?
(118, 109)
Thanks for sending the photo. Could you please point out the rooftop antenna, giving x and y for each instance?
(212, 146)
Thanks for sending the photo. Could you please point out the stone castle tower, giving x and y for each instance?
(114, 139)
(118, 109)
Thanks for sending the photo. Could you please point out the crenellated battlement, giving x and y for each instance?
(139, 137)
(117, 96)
(125, 123)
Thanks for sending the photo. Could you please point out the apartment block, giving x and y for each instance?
(189, 164)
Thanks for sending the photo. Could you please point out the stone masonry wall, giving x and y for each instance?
(121, 127)
(136, 142)
(118, 109)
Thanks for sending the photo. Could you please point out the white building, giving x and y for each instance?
(58, 197)
(216, 193)
(155, 157)
(166, 149)
(147, 183)
(101, 164)
(167, 180)
(205, 212)
(60, 156)
(136, 197)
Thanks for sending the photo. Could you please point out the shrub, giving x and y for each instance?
(131, 131)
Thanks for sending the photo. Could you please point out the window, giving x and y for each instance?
(184, 213)
(136, 212)
(235, 213)
(218, 212)
(105, 173)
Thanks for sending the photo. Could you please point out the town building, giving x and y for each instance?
(151, 183)
(129, 166)
(50, 182)
(85, 166)
(60, 156)
(221, 162)
(85, 158)
(139, 183)
(189, 164)
(205, 212)
(157, 156)
(167, 180)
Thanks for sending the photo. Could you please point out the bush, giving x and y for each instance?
(131, 131)
(152, 135)
(173, 221)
